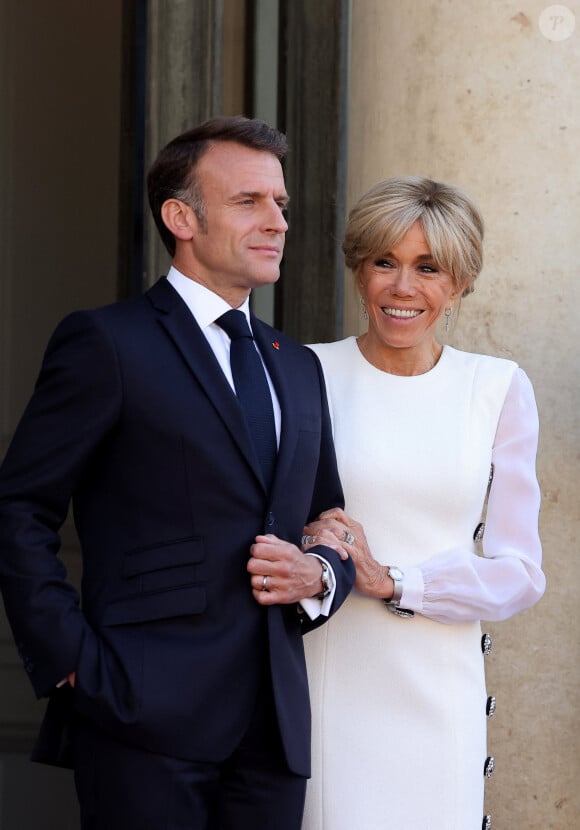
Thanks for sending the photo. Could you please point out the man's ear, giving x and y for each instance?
(179, 218)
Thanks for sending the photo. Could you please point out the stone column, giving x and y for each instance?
(184, 85)
(485, 95)
(313, 113)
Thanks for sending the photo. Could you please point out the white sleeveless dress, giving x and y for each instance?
(399, 705)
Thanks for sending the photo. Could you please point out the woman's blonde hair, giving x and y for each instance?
(451, 222)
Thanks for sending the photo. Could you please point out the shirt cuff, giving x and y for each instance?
(313, 607)
(413, 590)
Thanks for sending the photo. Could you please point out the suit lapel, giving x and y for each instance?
(182, 328)
(276, 361)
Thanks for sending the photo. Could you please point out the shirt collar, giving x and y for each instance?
(205, 305)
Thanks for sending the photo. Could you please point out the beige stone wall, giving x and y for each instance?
(473, 93)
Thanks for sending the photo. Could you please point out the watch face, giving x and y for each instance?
(395, 573)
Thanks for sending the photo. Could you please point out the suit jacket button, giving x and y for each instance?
(490, 707)
(270, 520)
(486, 823)
(489, 766)
(486, 643)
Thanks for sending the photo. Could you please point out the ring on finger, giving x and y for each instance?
(264, 583)
(348, 537)
(309, 540)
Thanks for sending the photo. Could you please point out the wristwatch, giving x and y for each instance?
(392, 603)
(325, 577)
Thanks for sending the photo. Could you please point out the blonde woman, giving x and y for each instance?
(397, 677)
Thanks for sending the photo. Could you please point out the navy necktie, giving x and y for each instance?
(252, 389)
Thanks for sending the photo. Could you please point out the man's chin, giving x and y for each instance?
(266, 278)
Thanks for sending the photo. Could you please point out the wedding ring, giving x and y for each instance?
(348, 537)
(264, 583)
(309, 540)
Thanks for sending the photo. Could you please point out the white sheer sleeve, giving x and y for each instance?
(455, 587)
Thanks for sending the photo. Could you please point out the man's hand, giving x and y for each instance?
(281, 573)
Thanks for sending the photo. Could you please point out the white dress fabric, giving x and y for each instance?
(399, 705)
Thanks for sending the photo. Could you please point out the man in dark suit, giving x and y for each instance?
(181, 683)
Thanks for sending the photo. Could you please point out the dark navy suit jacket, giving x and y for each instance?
(133, 420)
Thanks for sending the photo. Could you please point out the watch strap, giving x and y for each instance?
(325, 577)
(394, 602)
(396, 575)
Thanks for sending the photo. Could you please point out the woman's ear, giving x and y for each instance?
(463, 290)
(468, 287)
(179, 218)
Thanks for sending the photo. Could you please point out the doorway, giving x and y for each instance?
(60, 111)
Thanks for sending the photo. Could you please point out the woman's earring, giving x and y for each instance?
(448, 313)
(363, 307)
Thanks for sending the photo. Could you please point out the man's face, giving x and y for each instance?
(241, 245)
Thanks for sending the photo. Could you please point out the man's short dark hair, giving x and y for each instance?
(172, 175)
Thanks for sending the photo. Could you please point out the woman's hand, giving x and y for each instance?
(328, 532)
(335, 529)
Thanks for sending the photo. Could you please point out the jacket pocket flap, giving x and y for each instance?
(179, 602)
(159, 557)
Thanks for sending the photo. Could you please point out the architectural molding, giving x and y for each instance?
(6, 246)
(313, 109)
(184, 87)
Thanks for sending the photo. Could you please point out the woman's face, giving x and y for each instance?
(405, 294)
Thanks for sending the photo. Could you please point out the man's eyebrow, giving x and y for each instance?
(257, 194)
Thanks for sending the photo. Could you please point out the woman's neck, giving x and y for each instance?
(404, 362)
